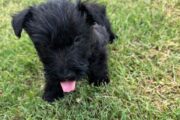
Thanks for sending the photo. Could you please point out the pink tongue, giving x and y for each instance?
(68, 86)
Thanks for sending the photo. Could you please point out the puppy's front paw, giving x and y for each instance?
(101, 81)
(50, 97)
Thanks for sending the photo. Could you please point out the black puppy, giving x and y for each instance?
(70, 40)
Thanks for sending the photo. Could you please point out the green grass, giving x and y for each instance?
(144, 68)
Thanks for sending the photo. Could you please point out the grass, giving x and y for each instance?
(144, 65)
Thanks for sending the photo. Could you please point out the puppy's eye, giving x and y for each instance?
(77, 39)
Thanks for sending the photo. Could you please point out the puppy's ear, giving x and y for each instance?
(85, 12)
(102, 9)
(18, 21)
(93, 12)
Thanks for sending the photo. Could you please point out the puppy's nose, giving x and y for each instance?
(70, 76)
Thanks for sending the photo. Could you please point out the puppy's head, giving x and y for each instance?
(96, 13)
(60, 36)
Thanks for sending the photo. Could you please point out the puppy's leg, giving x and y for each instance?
(98, 70)
(52, 90)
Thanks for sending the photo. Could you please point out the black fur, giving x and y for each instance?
(70, 40)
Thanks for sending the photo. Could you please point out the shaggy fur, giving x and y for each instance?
(70, 40)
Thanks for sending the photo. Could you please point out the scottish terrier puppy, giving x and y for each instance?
(70, 39)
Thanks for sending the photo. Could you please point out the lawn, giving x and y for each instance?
(144, 66)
